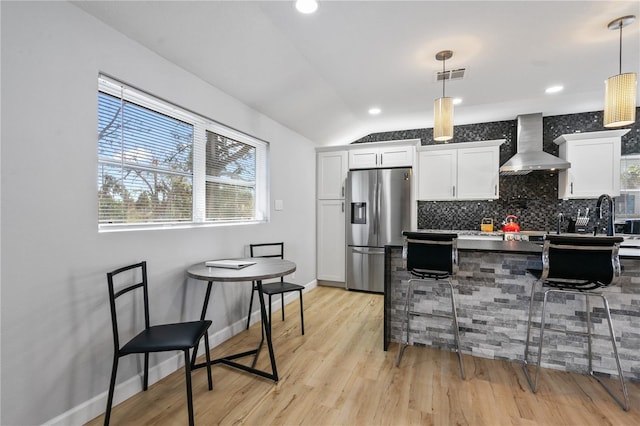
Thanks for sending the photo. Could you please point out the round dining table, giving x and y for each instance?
(259, 269)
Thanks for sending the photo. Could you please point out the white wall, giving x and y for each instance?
(56, 336)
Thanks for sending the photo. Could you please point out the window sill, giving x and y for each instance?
(172, 226)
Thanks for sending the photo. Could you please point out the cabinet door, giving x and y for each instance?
(332, 173)
(478, 173)
(401, 156)
(363, 158)
(437, 175)
(595, 168)
(331, 240)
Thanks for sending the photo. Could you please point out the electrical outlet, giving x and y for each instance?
(293, 275)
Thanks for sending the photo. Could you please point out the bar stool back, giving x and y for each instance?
(432, 259)
(577, 265)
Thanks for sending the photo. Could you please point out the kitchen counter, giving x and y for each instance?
(492, 293)
(494, 242)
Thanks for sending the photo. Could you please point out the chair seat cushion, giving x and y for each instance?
(167, 337)
(283, 287)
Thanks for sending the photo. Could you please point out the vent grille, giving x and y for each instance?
(447, 75)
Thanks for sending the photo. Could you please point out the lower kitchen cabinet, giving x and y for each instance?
(331, 240)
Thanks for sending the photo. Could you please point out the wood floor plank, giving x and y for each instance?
(337, 374)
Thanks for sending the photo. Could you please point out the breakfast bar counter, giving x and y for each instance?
(492, 291)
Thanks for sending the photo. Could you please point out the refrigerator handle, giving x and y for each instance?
(377, 208)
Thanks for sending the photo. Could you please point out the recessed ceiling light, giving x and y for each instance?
(374, 111)
(457, 101)
(554, 89)
(306, 6)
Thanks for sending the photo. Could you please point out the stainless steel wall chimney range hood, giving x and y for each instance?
(529, 154)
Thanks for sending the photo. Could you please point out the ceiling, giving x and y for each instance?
(319, 74)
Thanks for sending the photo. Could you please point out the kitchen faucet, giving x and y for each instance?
(611, 217)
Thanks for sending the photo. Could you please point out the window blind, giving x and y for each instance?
(145, 166)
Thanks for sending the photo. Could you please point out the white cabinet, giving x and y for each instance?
(461, 171)
(331, 175)
(385, 156)
(331, 240)
(437, 174)
(595, 164)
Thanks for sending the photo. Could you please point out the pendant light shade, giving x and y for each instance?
(620, 100)
(443, 107)
(621, 89)
(443, 119)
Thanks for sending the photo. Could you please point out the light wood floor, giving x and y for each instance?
(338, 374)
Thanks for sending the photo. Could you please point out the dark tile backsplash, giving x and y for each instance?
(533, 197)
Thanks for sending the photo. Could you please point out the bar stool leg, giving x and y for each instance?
(534, 387)
(525, 361)
(405, 324)
(456, 330)
(625, 404)
(589, 334)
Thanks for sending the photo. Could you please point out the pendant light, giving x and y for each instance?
(620, 90)
(443, 107)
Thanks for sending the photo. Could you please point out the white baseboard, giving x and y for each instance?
(96, 406)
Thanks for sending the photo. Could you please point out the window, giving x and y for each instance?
(160, 165)
(628, 203)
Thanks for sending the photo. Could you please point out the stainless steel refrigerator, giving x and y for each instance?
(378, 210)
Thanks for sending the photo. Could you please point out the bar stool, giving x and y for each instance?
(432, 259)
(577, 265)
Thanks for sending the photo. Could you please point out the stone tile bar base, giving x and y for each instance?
(492, 294)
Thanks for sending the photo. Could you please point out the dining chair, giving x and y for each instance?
(274, 250)
(184, 336)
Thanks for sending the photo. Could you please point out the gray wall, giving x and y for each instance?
(55, 326)
(533, 197)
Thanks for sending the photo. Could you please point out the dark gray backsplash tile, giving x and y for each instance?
(533, 197)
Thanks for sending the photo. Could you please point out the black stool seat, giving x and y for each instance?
(280, 287)
(430, 258)
(577, 265)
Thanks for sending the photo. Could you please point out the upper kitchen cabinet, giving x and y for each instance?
(461, 171)
(384, 154)
(595, 164)
(332, 168)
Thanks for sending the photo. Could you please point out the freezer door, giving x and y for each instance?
(365, 269)
(362, 208)
(394, 189)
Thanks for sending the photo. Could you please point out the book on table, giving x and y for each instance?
(229, 263)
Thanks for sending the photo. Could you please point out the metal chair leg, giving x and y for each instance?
(112, 385)
(253, 290)
(282, 304)
(145, 384)
(187, 372)
(208, 358)
(301, 313)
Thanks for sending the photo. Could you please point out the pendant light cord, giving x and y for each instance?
(444, 76)
(620, 55)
